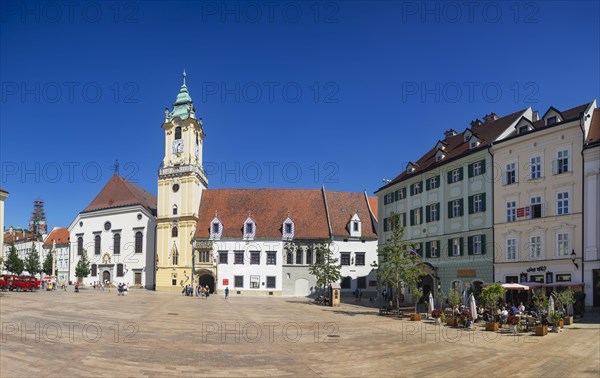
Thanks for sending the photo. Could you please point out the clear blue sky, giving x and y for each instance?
(346, 91)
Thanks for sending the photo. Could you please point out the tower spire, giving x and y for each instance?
(183, 76)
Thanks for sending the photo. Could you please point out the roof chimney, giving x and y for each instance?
(449, 133)
(536, 116)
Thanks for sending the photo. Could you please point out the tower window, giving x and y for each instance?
(174, 232)
(178, 133)
(138, 242)
(175, 188)
(174, 209)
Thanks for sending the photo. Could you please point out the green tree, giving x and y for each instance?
(13, 263)
(326, 268)
(82, 269)
(491, 295)
(32, 260)
(399, 266)
(453, 298)
(47, 265)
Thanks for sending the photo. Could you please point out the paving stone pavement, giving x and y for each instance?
(95, 333)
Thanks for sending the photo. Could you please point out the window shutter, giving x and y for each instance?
(460, 173)
(554, 167)
(428, 213)
(483, 166)
(449, 177)
(505, 178)
(420, 209)
(450, 209)
(428, 250)
(437, 213)
(427, 183)
(385, 224)
(483, 201)
(470, 245)
(437, 243)
(420, 249)
(461, 246)
(471, 199)
(470, 169)
(412, 217)
(450, 247)
(482, 244)
(460, 201)
(403, 219)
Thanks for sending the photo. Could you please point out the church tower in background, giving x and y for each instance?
(181, 181)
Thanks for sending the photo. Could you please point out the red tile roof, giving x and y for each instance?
(342, 206)
(269, 208)
(594, 133)
(373, 202)
(17, 237)
(119, 192)
(456, 146)
(59, 235)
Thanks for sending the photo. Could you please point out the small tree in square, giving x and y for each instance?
(32, 260)
(326, 268)
(13, 263)
(398, 265)
(47, 265)
(82, 269)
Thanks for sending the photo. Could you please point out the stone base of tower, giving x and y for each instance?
(172, 279)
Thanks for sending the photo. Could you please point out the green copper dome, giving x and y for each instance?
(183, 104)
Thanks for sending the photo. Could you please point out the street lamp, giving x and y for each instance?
(573, 257)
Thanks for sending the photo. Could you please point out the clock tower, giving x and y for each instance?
(181, 181)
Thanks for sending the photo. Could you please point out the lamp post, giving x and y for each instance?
(573, 257)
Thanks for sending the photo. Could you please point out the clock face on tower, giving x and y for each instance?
(177, 146)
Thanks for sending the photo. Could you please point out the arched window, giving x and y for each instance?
(97, 244)
(119, 270)
(289, 257)
(116, 244)
(139, 238)
(175, 257)
(79, 246)
(309, 254)
(178, 133)
(299, 256)
(174, 209)
(174, 232)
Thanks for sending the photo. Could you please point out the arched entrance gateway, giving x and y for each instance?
(205, 278)
(429, 283)
(106, 276)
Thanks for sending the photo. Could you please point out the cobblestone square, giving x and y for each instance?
(96, 333)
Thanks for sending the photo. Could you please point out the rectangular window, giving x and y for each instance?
(345, 258)
(477, 203)
(510, 174)
(360, 259)
(255, 258)
(477, 245)
(239, 257)
(288, 228)
(536, 207)
(249, 228)
(535, 167)
(456, 247)
(434, 251)
(271, 258)
(270, 282)
(361, 282)
(432, 183)
(563, 278)
(254, 282)
(355, 226)
(215, 228)
(416, 188)
(535, 247)
(511, 211)
(415, 216)
(455, 175)
(551, 121)
(455, 208)
(238, 281)
(299, 256)
(562, 203)
(309, 256)
(511, 249)
(432, 212)
(562, 244)
(477, 168)
(346, 283)
(223, 257)
(562, 162)
(400, 194)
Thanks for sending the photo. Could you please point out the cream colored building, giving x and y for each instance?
(3, 197)
(538, 207)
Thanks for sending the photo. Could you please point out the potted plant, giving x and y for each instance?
(542, 329)
(490, 297)
(437, 315)
(556, 320)
(417, 293)
(466, 318)
(513, 323)
(454, 301)
(567, 299)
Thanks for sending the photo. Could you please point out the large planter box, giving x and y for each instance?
(415, 317)
(452, 322)
(492, 327)
(560, 324)
(568, 320)
(541, 330)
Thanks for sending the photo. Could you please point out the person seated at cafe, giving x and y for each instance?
(521, 308)
(514, 310)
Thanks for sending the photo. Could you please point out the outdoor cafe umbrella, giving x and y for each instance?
(473, 307)
(431, 307)
(550, 306)
(465, 298)
(570, 309)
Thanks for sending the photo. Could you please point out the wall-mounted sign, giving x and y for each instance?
(538, 269)
(466, 273)
(563, 278)
(225, 281)
(538, 278)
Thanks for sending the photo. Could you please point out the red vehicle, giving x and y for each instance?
(19, 283)
(4, 282)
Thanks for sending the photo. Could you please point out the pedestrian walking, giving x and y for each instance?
(227, 292)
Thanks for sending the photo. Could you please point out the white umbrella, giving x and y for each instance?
(431, 306)
(570, 310)
(473, 307)
(550, 306)
(465, 298)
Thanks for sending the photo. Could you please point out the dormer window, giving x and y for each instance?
(551, 121)
(411, 168)
(440, 155)
(288, 229)
(216, 229)
(474, 142)
(440, 145)
(249, 229)
(467, 135)
(523, 129)
(355, 226)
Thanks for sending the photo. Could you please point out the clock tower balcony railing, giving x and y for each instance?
(175, 170)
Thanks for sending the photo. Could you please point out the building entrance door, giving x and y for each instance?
(596, 288)
(138, 278)
(106, 276)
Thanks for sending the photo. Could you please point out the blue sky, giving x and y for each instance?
(298, 94)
